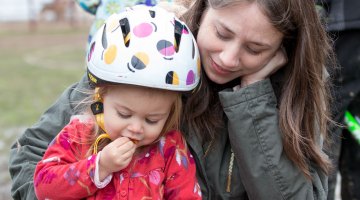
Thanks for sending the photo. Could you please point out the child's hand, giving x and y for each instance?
(278, 61)
(115, 156)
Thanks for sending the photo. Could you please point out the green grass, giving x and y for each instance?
(28, 88)
(26, 91)
(35, 68)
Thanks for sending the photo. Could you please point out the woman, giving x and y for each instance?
(247, 142)
(251, 152)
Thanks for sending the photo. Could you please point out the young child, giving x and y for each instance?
(125, 145)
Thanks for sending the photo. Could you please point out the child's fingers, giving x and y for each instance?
(128, 154)
(115, 158)
(120, 141)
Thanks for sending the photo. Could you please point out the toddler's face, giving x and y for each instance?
(138, 113)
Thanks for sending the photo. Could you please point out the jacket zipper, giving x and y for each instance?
(231, 164)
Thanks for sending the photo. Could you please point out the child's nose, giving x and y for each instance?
(136, 127)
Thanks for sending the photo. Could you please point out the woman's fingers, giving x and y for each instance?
(275, 63)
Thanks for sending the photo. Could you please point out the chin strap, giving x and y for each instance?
(98, 110)
(102, 136)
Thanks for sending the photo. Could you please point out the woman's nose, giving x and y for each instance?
(230, 57)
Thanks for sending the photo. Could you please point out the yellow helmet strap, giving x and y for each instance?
(97, 109)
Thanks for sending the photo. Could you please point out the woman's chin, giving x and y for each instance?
(217, 79)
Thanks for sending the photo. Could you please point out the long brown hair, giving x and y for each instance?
(303, 94)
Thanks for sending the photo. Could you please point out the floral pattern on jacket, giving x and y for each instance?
(165, 170)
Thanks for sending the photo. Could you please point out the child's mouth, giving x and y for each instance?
(134, 141)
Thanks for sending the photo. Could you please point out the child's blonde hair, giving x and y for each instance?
(172, 122)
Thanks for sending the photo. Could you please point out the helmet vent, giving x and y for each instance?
(125, 28)
(178, 33)
(152, 13)
(103, 38)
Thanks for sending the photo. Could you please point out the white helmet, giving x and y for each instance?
(145, 46)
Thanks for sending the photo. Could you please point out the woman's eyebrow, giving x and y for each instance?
(262, 44)
(225, 27)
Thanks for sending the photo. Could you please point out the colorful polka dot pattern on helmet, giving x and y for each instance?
(143, 30)
(165, 48)
(140, 60)
(138, 47)
(110, 54)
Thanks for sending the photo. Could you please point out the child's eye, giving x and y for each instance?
(123, 115)
(152, 122)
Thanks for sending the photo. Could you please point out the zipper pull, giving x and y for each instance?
(231, 164)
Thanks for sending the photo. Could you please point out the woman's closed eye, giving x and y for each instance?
(221, 35)
(254, 51)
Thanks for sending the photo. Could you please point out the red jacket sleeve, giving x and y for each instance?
(64, 172)
(180, 170)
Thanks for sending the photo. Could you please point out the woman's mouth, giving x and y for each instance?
(219, 69)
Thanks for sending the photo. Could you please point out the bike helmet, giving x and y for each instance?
(145, 46)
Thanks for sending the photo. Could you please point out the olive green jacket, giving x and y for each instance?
(260, 169)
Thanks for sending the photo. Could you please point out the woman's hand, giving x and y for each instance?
(275, 63)
(115, 156)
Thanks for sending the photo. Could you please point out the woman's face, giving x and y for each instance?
(236, 40)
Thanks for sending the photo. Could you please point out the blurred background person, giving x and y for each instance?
(343, 23)
(102, 9)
